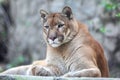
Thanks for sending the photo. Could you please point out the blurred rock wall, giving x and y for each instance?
(5, 21)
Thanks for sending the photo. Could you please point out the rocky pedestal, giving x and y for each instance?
(18, 77)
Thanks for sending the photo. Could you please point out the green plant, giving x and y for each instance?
(16, 62)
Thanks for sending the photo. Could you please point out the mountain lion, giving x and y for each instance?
(71, 50)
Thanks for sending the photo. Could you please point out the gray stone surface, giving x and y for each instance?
(18, 77)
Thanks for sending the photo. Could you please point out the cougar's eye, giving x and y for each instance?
(60, 25)
(46, 27)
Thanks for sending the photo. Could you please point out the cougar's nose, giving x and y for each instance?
(52, 37)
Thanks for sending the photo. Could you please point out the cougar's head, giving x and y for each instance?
(58, 28)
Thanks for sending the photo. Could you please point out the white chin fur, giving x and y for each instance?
(55, 45)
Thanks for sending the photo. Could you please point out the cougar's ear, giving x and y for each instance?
(43, 14)
(67, 12)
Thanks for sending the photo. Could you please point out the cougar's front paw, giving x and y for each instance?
(42, 71)
(39, 71)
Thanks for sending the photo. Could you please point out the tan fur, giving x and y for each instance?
(78, 55)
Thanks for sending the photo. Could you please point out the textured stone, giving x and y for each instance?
(118, 56)
(109, 43)
(18, 77)
(111, 30)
